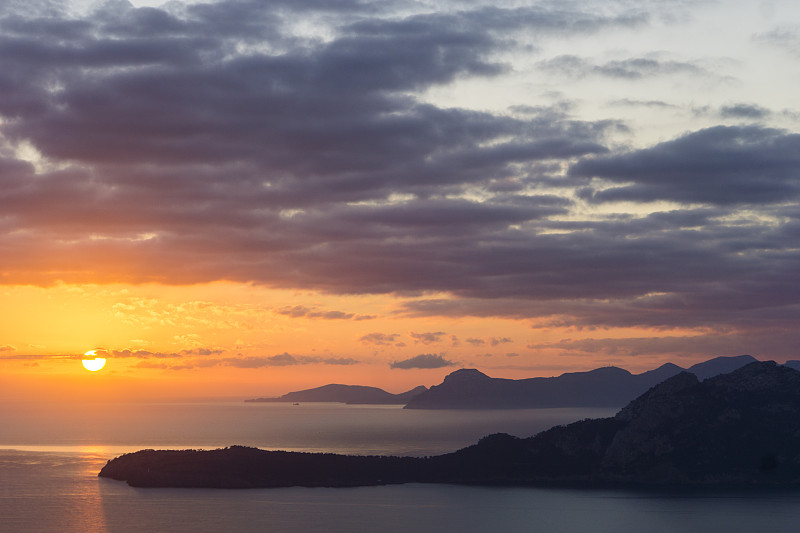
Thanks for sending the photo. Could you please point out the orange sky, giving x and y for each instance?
(237, 340)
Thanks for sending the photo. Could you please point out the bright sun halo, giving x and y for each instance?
(93, 364)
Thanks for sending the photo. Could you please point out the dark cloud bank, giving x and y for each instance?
(212, 142)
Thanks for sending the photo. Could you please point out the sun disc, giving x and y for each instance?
(94, 364)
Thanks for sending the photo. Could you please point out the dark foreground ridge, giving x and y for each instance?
(737, 429)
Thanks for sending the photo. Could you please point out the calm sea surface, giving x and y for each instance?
(50, 456)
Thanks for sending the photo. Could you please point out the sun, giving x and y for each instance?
(93, 364)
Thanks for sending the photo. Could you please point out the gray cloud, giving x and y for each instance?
(719, 165)
(211, 142)
(744, 111)
(301, 311)
(628, 102)
(284, 359)
(425, 361)
(381, 339)
(146, 354)
(786, 38)
(628, 69)
(429, 337)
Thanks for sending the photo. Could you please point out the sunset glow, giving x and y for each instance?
(383, 195)
(93, 365)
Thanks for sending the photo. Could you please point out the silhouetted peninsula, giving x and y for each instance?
(737, 429)
(350, 394)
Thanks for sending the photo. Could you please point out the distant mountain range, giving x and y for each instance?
(350, 394)
(740, 429)
(471, 389)
(602, 387)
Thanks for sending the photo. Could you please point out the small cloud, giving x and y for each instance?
(627, 102)
(476, 342)
(745, 111)
(381, 339)
(146, 354)
(142, 354)
(426, 360)
(499, 340)
(296, 311)
(512, 354)
(332, 315)
(201, 351)
(301, 311)
(284, 359)
(7, 348)
(343, 361)
(429, 337)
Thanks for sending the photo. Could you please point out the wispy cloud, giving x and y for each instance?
(301, 311)
(428, 337)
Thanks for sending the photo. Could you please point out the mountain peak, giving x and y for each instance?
(466, 374)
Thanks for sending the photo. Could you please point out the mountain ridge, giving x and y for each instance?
(469, 388)
(601, 387)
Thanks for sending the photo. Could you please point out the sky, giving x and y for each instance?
(240, 198)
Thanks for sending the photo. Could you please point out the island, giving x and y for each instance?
(348, 394)
(736, 429)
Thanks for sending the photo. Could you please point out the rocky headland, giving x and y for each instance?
(736, 429)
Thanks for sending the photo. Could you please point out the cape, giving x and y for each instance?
(736, 429)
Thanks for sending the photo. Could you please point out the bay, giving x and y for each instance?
(50, 455)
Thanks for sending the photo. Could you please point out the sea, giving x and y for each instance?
(50, 455)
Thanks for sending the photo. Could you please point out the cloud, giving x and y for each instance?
(7, 348)
(422, 361)
(744, 111)
(285, 359)
(765, 344)
(628, 69)
(146, 354)
(381, 339)
(429, 337)
(628, 102)
(301, 311)
(719, 165)
(495, 341)
(246, 362)
(196, 143)
(476, 342)
(786, 38)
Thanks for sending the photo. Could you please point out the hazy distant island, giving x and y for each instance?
(471, 389)
(735, 429)
(349, 394)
